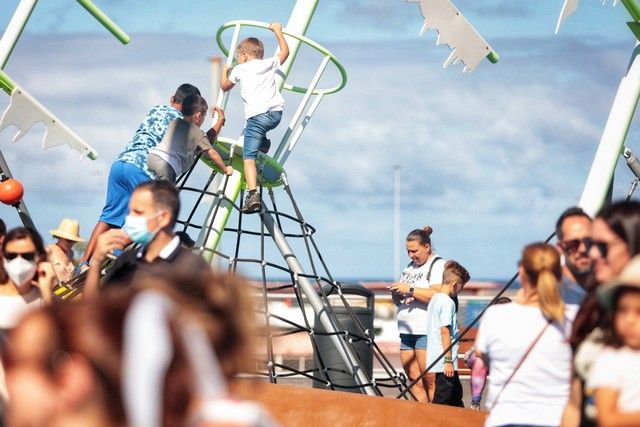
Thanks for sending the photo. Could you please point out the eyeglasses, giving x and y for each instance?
(572, 246)
(603, 247)
(29, 256)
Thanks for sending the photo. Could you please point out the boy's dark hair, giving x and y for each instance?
(452, 271)
(185, 90)
(572, 211)
(165, 195)
(610, 337)
(3, 228)
(252, 47)
(194, 103)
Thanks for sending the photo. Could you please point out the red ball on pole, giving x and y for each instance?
(11, 191)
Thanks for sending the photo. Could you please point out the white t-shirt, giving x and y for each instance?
(539, 390)
(412, 317)
(13, 307)
(442, 312)
(619, 369)
(258, 90)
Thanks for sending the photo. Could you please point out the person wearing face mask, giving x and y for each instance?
(26, 277)
(153, 210)
(61, 253)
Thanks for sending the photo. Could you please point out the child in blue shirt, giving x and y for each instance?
(130, 168)
(263, 103)
(443, 329)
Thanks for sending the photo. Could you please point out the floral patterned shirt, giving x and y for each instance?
(148, 135)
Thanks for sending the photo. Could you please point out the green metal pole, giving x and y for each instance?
(219, 214)
(15, 28)
(298, 23)
(6, 83)
(633, 8)
(105, 21)
(613, 137)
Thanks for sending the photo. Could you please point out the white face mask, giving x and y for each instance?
(20, 271)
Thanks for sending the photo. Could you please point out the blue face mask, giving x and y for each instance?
(137, 229)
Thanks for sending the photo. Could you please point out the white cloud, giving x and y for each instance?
(489, 160)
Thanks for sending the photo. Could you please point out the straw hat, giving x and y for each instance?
(629, 277)
(68, 229)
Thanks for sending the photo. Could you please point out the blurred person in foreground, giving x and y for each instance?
(525, 345)
(615, 373)
(26, 280)
(62, 371)
(615, 239)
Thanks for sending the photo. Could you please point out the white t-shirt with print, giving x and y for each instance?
(539, 390)
(619, 369)
(258, 89)
(412, 317)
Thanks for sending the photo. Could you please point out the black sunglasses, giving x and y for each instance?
(572, 246)
(29, 256)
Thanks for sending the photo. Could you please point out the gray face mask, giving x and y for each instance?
(20, 271)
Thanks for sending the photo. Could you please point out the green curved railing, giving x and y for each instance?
(303, 39)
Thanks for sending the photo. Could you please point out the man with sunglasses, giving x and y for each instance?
(573, 231)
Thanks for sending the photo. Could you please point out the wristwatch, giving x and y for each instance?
(447, 359)
(411, 289)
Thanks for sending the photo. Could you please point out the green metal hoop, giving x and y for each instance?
(303, 39)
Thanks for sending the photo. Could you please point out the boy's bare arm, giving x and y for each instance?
(445, 334)
(212, 134)
(213, 155)
(225, 83)
(276, 27)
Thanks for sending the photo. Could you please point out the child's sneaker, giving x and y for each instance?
(252, 203)
(475, 404)
(265, 145)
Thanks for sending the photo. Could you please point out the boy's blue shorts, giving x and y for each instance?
(123, 178)
(413, 342)
(255, 132)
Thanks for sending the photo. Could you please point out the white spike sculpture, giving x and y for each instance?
(466, 44)
(24, 111)
(569, 7)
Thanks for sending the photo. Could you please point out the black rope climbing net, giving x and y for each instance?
(246, 246)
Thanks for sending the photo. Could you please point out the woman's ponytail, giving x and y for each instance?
(541, 263)
(551, 303)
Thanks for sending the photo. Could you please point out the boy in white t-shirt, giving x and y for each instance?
(443, 329)
(263, 103)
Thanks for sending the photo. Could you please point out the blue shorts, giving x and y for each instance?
(255, 132)
(413, 342)
(123, 178)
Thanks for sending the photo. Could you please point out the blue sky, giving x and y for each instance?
(488, 159)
